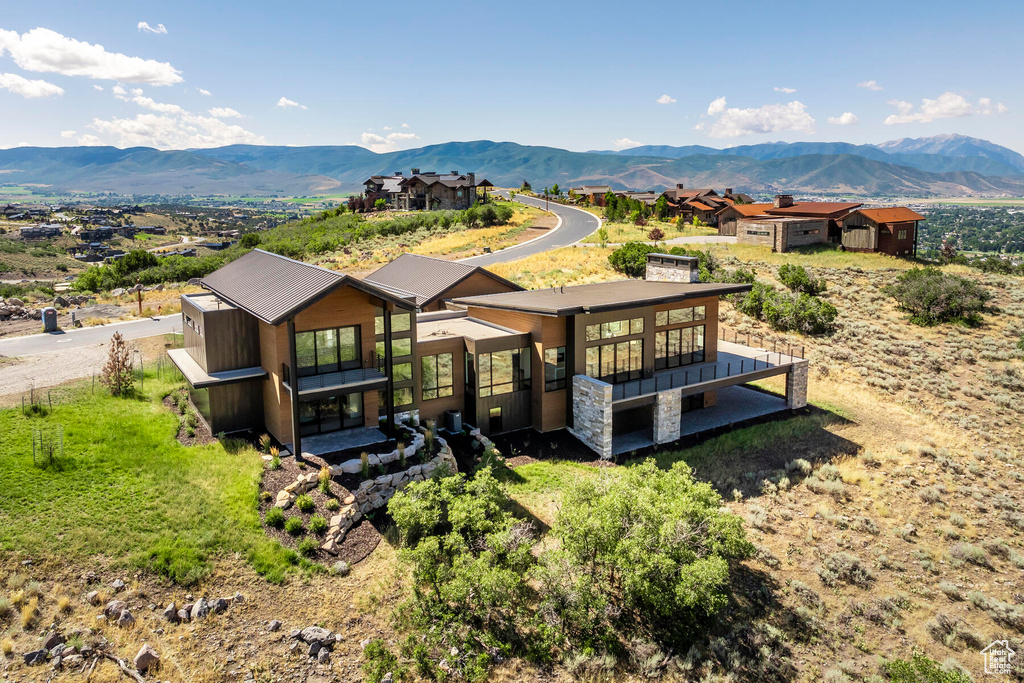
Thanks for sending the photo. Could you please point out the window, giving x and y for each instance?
(616, 328)
(762, 233)
(327, 350)
(807, 232)
(438, 376)
(554, 368)
(400, 322)
(399, 347)
(403, 397)
(682, 346)
(678, 316)
(502, 372)
(617, 362)
(901, 235)
(402, 372)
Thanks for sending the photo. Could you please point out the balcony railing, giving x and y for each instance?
(373, 370)
(729, 365)
(753, 341)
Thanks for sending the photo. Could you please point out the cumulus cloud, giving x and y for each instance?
(136, 97)
(47, 51)
(732, 122)
(625, 143)
(31, 89)
(68, 134)
(203, 91)
(948, 105)
(225, 113)
(89, 141)
(98, 87)
(385, 143)
(159, 28)
(405, 125)
(285, 103)
(788, 91)
(666, 99)
(845, 119)
(869, 85)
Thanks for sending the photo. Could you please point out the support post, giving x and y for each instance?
(293, 380)
(389, 408)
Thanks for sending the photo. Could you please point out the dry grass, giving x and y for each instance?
(619, 233)
(567, 266)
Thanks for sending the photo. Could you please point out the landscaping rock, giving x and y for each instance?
(200, 610)
(71, 660)
(184, 615)
(146, 658)
(170, 612)
(296, 634)
(314, 649)
(126, 619)
(220, 605)
(117, 585)
(114, 608)
(35, 657)
(341, 568)
(312, 634)
(323, 656)
(910, 530)
(273, 626)
(237, 599)
(53, 640)
(92, 597)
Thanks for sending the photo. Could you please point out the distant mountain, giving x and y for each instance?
(838, 168)
(939, 154)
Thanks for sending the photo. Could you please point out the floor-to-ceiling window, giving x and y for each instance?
(330, 350)
(330, 413)
(681, 342)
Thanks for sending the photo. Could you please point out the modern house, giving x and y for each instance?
(729, 216)
(299, 351)
(43, 231)
(384, 187)
(832, 212)
(891, 230)
(590, 193)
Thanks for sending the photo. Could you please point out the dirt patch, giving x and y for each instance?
(200, 435)
(519, 461)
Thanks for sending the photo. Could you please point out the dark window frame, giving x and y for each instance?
(340, 365)
(554, 372)
(440, 389)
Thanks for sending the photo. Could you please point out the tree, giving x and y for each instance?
(555, 190)
(250, 240)
(661, 208)
(118, 373)
(526, 187)
(379, 205)
(932, 297)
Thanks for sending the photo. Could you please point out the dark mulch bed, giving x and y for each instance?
(352, 481)
(202, 434)
(360, 541)
(559, 445)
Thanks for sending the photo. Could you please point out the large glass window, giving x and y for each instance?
(399, 348)
(402, 372)
(327, 350)
(678, 316)
(400, 322)
(674, 348)
(438, 376)
(616, 362)
(403, 397)
(330, 414)
(502, 372)
(613, 329)
(554, 368)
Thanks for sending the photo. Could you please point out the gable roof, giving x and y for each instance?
(427, 278)
(274, 288)
(814, 209)
(892, 214)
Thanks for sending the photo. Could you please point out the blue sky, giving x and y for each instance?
(574, 75)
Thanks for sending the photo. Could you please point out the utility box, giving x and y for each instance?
(453, 420)
(50, 319)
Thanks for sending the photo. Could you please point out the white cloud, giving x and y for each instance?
(869, 85)
(160, 28)
(98, 87)
(625, 143)
(136, 97)
(89, 141)
(68, 134)
(386, 128)
(225, 113)
(385, 143)
(666, 99)
(769, 118)
(47, 51)
(948, 105)
(285, 103)
(788, 91)
(204, 92)
(405, 125)
(32, 89)
(846, 119)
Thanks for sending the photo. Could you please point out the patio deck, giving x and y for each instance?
(332, 442)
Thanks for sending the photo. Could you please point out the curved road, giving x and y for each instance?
(573, 225)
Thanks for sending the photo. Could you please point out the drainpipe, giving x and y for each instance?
(389, 373)
(293, 363)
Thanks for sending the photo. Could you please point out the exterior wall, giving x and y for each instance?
(232, 340)
(592, 414)
(668, 413)
(859, 234)
(475, 285)
(657, 272)
(516, 407)
(889, 242)
(192, 340)
(435, 409)
(277, 409)
(235, 407)
(782, 235)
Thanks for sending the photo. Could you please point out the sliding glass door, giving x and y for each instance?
(330, 414)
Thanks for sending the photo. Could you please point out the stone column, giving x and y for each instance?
(796, 385)
(592, 414)
(668, 416)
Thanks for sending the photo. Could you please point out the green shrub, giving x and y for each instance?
(317, 525)
(378, 661)
(305, 503)
(631, 258)
(293, 525)
(333, 505)
(308, 546)
(275, 517)
(932, 297)
(786, 311)
(797, 279)
(922, 669)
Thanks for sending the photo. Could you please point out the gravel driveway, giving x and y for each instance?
(41, 370)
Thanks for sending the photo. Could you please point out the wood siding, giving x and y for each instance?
(860, 233)
(435, 409)
(782, 235)
(475, 285)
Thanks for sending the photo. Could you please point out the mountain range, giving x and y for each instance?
(948, 165)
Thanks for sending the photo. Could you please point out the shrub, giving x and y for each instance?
(275, 517)
(922, 669)
(305, 503)
(293, 526)
(324, 479)
(118, 373)
(932, 297)
(308, 546)
(317, 525)
(250, 240)
(797, 279)
(845, 567)
(631, 258)
(333, 505)
(787, 312)
(656, 234)
(379, 661)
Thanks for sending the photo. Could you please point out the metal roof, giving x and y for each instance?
(425, 277)
(601, 296)
(814, 209)
(747, 209)
(273, 288)
(892, 214)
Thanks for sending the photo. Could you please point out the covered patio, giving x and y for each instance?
(344, 439)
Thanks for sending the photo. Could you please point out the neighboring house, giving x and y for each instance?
(40, 232)
(730, 215)
(151, 230)
(781, 233)
(833, 212)
(96, 234)
(384, 187)
(649, 198)
(296, 350)
(701, 203)
(433, 281)
(432, 191)
(591, 192)
(891, 230)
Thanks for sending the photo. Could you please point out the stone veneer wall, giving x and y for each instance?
(592, 414)
(668, 416)
(796, 385)
(657, 272)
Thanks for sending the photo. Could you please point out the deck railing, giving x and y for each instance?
(684, 377)
(754, 341)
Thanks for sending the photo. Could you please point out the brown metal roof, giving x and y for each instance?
(828, 209)
(892, 214)
(601, 296)
(698, 205)
(427, 278)
(748, 209)
(273, 288)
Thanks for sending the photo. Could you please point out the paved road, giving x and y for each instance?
(574, 224)
(87, 336)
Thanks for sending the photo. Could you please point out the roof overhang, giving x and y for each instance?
(201, 379)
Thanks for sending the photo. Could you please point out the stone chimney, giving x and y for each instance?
(728, 191)
(680, 186)
(783, 201)
(669, 268)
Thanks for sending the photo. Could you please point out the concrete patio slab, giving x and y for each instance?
(325, 444)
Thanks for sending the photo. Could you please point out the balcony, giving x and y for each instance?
(370, 377)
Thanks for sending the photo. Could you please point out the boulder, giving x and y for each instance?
(35, 657)
(71, 660)
(170, 612)
(314, 648)
(349, 500)
(220, 605)
(35, 314)
(183, 615)
(15, 302)
(323, 656)
(60, 302)
(237, 598)
(146, 658)
(114, 608)
(53, 640)
(273, 626)
(201, 609)
(117, 291)
(349, 467)
(330, 546)
(284, 499)
(117, 585)
(312, 634)
(126, 619)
